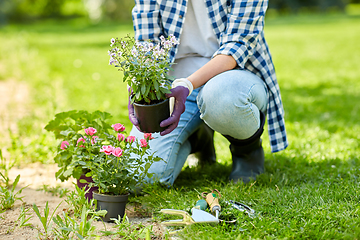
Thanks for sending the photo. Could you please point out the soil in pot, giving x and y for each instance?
(150, 116)
(89, 194)
(114, 205)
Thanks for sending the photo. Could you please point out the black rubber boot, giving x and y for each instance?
(202, 144)
(247, 156)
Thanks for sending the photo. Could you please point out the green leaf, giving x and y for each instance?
(83, 181)
(143, 89)
(156, 85)
(15, 182)
(68, 172)
(158, 95)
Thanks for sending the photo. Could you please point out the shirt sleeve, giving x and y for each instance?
(245, 23)
(147, 20)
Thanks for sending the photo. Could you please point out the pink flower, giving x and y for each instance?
(117, 152)
(131, 139)
(121, 137)
(148, 136)
(143, 143)
(64, 145)
(107, 149)
(90, 131)
(81, 139)
(93, 139)
(118, 127)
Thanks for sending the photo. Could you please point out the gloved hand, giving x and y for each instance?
(180, 94)
(131, 110)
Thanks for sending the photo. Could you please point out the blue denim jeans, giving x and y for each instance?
(229, 103)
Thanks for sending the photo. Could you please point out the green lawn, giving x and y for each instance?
(311, 190)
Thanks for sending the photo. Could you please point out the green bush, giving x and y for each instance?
(20, 10)
(310, 5)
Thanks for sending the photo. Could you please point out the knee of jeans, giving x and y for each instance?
(216, 102)
(159, 174)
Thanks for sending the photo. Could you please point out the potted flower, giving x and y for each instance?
(101, 157)
(78, 131)
(145, 66)
(121, 166)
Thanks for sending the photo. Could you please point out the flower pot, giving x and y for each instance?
(150, 116)
(89, 194)
(114, 205)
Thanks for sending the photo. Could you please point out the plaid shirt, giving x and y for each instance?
(238, 25)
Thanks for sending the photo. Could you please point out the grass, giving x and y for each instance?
(309, 191)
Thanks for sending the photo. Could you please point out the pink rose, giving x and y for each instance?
(118, 127)
(64, 145)
(121, 137)
(93, 139)
(90, 131)
(81, 139)
(148, 136)
(107, 149)
(117, 152)
(143, 143)
(131, 139)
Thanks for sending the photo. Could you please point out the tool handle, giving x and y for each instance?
(201, 204)
(213, 202)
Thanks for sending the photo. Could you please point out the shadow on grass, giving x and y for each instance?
(279, 171)
(329, 106)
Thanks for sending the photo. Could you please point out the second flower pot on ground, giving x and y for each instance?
(89, 194)
(114, 205)
(150, 116)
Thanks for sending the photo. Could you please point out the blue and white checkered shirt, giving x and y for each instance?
(238, 25)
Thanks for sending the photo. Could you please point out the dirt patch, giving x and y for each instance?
(14, 99)
(34, 177)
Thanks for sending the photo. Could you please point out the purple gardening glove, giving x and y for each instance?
(132, 116)
(180, 94)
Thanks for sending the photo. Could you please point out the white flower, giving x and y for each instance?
(134, 52)
(173, 40)
(162, 38)
(112, 42)
(167, 44)
(113, 61)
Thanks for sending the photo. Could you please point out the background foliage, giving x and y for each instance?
(21, 10)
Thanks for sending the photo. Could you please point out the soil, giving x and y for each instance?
(34, 176)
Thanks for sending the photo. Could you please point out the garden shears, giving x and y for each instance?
(242, 207)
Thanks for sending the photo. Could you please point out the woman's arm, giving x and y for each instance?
(220, 63)
(243, 31)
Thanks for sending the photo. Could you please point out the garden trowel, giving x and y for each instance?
(198, 216)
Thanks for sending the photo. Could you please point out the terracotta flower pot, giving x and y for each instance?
(150, 116)
(114, 205)
(89, 194)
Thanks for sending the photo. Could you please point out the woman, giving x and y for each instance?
(225, 82)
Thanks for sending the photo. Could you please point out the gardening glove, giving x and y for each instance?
(181, 89)
(131, 110)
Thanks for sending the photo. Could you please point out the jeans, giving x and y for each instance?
(229, 103)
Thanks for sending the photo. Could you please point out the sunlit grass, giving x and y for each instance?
(310, 190)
